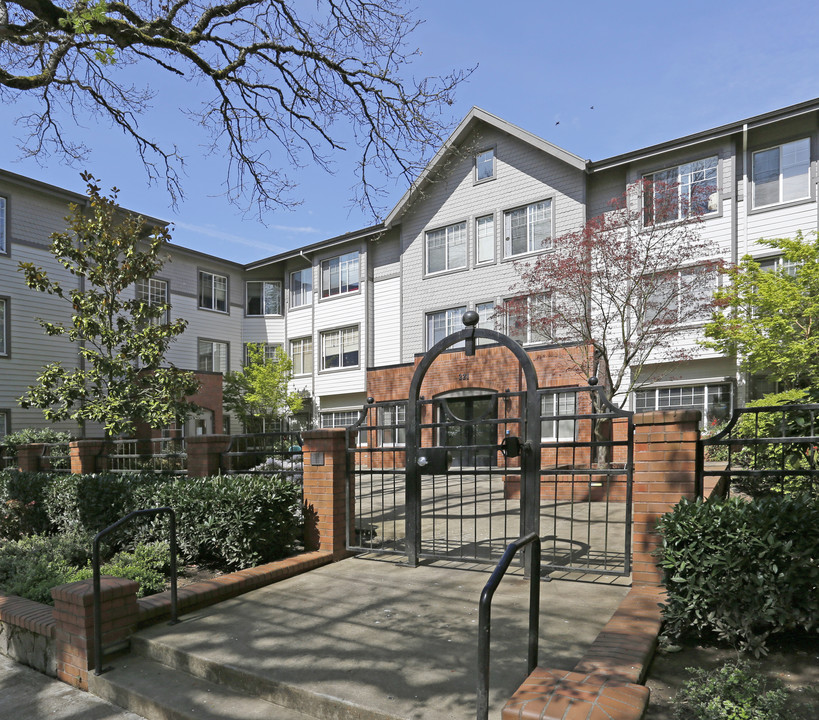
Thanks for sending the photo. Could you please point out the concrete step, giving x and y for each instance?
(203, 683)
(157, 692)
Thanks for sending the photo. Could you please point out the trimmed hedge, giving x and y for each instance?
(741, 570)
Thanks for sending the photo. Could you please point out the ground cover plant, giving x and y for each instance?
(48, 521)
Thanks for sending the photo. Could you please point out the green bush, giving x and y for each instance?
(27, 436)
(231, 521)
(148, 564)
(731, 692)
(741, 570)
(30, 489)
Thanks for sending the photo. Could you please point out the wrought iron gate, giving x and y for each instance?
(460, 475)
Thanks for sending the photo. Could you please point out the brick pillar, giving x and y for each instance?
(325, 476)
(29, 456)
(86, 456)
(665, 452)
(74, 616)
(205, 454)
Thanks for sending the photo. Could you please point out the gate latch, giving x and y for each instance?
(510, 446)
(433, 461)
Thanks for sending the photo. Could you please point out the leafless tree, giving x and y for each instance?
(310, 79)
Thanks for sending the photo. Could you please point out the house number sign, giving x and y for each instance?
(463, 376)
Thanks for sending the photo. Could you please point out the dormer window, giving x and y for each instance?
(485, 165)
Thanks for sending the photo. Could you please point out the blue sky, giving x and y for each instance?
(652, 71)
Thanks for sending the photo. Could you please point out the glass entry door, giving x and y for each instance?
(467, 428)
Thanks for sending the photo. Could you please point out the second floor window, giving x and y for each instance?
(213, 291)
(782, 174)
(268, 351)
(213, 356)
(301, 354)
(528, 229)
(446, 248)
(339, 348)
(301, 287)
(525, 318)
(675, 193)
(485, 239)
(443, 323)
(3, 248)
(264, 297)
(339, 275)
(153, 292)
(4, 326)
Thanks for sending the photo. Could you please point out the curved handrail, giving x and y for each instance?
(95, 561)
(485, 611)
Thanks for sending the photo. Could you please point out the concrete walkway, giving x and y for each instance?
(26, 694)
(394, 641)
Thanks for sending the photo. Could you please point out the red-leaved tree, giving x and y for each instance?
(618, 291)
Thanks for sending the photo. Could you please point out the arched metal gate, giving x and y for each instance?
(460, 475)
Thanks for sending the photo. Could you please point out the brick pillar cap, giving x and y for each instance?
(199, 439)
(81, 592)
(323, 433)
(667, 417)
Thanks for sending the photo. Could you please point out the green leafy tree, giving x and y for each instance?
(259, 393)
(122, 340)
(770, 317)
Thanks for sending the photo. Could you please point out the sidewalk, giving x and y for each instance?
(26, 694)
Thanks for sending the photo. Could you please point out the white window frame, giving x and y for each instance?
(395, 417)
(298, 354)
(304, 295)
(4, 248)
(683, 180)
(554, 404)
(266, 311)
(534, 242)
(682, 297)
(269, 350)
(783, 149)
(485, 233)
(451, 319)
(482, 160)
(214, 356)
(338, 337)
(5, 422)
(154, 292)
(344, 419)
(452, 237)
(347, 274)
(5, 330)
(213, 282)
(532, 337)
(651, 398)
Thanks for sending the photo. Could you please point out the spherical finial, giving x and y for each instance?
(471, 318)
(370, 400)
(593, 381)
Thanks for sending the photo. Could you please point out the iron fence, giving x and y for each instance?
(265, 453)
(761, 450)
(159, 455)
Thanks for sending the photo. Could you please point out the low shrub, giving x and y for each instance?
(148, 564)
(27, 436)
(741, 570)
(29, 489)
(731, 692)
(230, 521)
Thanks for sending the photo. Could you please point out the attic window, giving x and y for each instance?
(485, 165)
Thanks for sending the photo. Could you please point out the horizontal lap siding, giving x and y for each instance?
(386, 319)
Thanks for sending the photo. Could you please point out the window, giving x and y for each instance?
(714, 401)
(446, 248)
(213, 356)
(486, 319)
(485, 239)
(213, 291)
(339, 275)
(782, 174)
(392, 417)
(301, 287)
(344, 419)
(4, 327)
(527, 318)
(264, 297)
(301, 353)
(554, 427)
(485, 165)
(269, 350)
(4, 423)
(443, 323)
(154, 292)
(339, 348)
(682, 296)
(3, 247)
(677, 192)
(788, 267)
(528, 229)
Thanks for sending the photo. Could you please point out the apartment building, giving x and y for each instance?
(355, 312)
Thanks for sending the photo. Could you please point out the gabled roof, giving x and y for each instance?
(474, 116)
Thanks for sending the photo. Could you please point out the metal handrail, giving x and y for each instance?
(485, 611)
(95, 561)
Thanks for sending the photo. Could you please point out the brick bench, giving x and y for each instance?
(604, 684)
